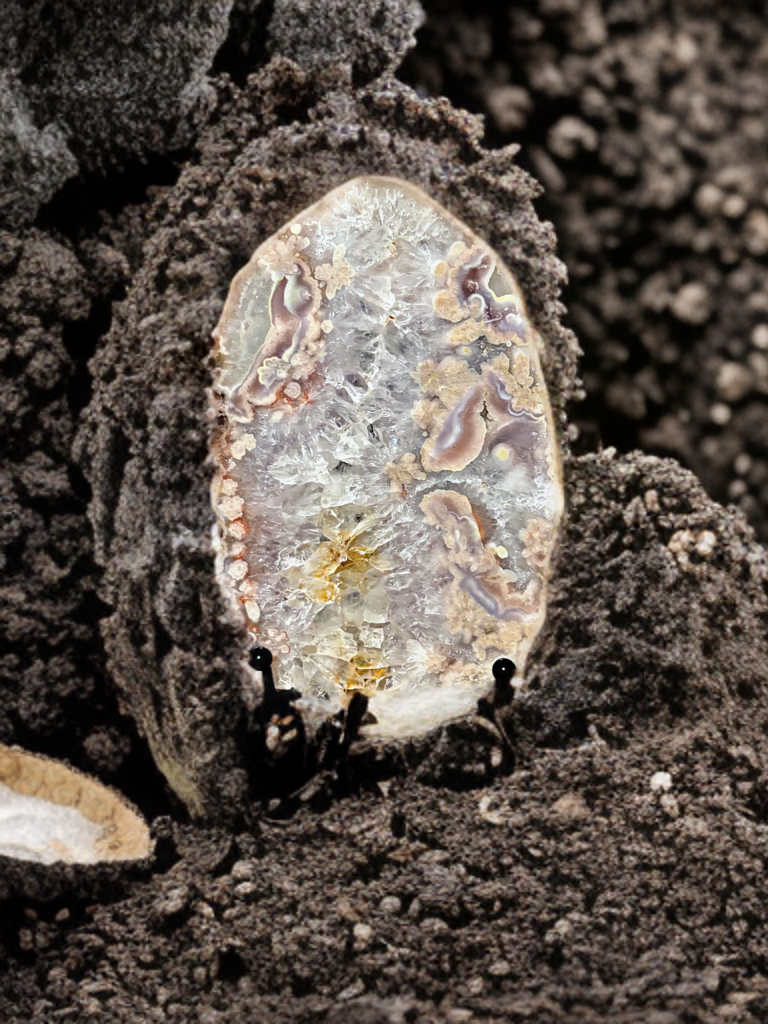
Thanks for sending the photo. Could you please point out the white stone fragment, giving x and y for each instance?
(50, 813)
(396, 482)
(34, 829)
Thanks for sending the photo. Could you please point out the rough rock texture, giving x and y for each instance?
(94, 84)
(50, 659)
(648, 132)
(371, 38)
(174, 656)
(54, 694)
(34, 162)
(618, 872)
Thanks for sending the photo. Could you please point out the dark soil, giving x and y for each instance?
(530, 863)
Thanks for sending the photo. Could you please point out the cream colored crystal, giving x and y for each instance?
(388, 494)
(48, 813)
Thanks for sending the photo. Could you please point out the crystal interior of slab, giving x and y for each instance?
(389, 481)
(50, 813)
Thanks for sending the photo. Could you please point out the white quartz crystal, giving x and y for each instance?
(48, 813)
(389, 481)
(35, 829)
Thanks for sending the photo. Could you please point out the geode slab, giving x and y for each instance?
(388, 487)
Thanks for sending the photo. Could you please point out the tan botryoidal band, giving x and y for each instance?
(49, 812)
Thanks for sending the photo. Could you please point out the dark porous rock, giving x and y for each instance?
(55, 694)
(175, 654)
(94, 84)
(656, 612)
(51, 669)
(373, 37)
(35, 161)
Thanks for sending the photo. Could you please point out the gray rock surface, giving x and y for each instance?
(92, 85)
(372, 38)
(34, 161)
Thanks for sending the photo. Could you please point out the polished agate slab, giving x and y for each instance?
(388, 486)
(50, 813)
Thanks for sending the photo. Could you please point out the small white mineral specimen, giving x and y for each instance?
(49, 813)
(388, 486)
(661, 782)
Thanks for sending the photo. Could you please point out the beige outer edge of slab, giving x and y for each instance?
(124, 833)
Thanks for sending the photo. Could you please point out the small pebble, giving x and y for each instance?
(362, 934)
(720, 413)
(172, 903)
(391, 905)
(243, 869)
(734, 381)
(661, 782)
(500, 969)
(246, 889)
(692, 304)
